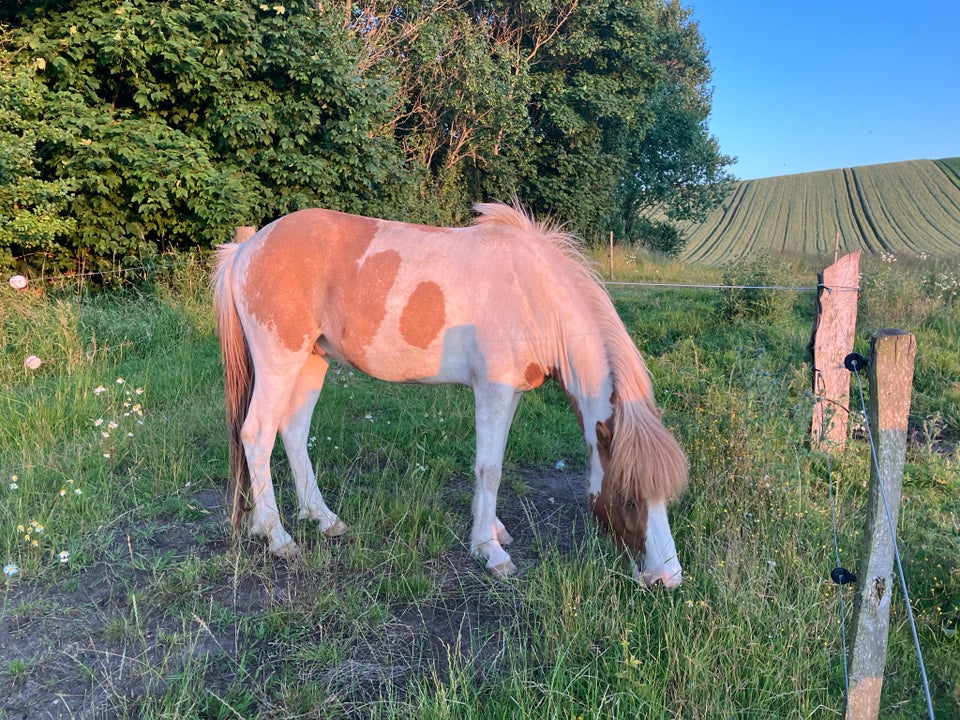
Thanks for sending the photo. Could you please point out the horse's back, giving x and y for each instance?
(400, 301)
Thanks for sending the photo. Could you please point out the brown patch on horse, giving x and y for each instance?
(620, 515)
(423, 316)
(299, 249)
(375, 277)
(624, 519)
(641, 462)
(533, 376)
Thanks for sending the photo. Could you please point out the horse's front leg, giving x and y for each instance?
(495, 406)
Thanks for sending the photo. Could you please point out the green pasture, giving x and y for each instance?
(904, 209)
(130, 599)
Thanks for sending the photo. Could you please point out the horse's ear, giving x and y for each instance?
(604, 437)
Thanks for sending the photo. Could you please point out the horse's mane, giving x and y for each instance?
(546, 230)
(646, 460)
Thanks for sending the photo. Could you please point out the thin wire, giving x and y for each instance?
(836, 553)
(164, 263)
(711, 287)
(896, 550)
(792, 288)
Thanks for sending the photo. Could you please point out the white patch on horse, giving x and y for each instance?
(659, 563)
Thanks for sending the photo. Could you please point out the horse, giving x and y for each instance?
(501, 305)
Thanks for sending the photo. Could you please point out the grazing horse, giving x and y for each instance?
(500, 306)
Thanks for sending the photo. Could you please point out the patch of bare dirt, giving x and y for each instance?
(100, 643)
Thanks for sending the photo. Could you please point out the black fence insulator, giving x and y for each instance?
(855, 362)
(842, 576)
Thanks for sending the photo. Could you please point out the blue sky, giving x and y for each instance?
(816, 85)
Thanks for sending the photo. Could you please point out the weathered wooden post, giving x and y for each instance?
(611, 255)
(834, 327)
(891, 378)
(244, 233)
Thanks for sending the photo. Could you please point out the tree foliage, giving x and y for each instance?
(178, 121)
(33, 211)
(130, 127)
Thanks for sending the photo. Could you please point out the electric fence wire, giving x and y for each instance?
(697, 286)
(164, 263)
(838, 575)
(167, 262)
(896, 549)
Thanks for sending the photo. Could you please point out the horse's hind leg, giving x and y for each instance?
(495, 406)
(271, 392)
(294, 429)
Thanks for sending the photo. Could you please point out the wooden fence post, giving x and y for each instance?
(611, 255)
(891, 378)
(244, 233)
(834, 328)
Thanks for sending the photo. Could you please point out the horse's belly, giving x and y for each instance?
(450, 361)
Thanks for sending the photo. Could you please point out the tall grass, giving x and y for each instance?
(155, 613)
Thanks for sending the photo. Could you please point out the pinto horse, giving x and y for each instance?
(500, 306)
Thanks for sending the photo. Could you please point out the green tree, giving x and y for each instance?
(676, 172)
(180, 120)
(588, 109)
(460, 92)
(621, 135)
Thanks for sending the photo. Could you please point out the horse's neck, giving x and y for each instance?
(586, 378)
(604, 367)
(599, 360)
(592, 406)
(588, 383)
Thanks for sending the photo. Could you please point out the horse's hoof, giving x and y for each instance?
(287, 551)
(503, 570)
(337, 528)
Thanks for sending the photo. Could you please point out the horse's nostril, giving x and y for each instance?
(667, 579)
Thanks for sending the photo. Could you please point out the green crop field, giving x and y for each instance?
(904, 209)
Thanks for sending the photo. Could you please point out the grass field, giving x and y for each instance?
(130, 600)
(904, 209)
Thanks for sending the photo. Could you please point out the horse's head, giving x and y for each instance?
(634, 512)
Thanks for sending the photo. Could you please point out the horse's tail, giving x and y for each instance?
(238, 377)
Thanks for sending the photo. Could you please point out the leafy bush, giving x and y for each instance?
(747, 298)
(175, 124)
(662, 237)
(32, 209)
